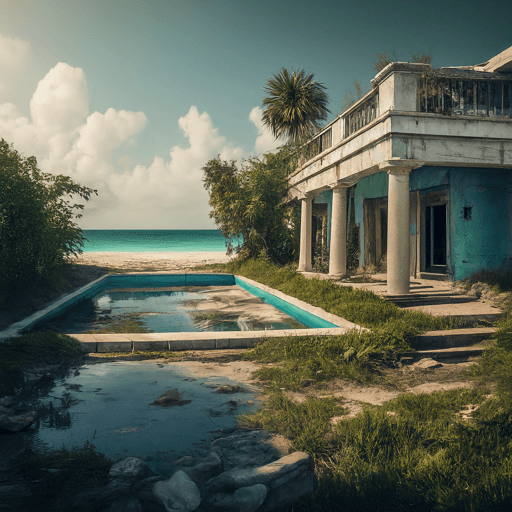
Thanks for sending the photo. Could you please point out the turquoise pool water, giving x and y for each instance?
(143, 299)
(158, 311)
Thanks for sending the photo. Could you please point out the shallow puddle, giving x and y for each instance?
(110, 406)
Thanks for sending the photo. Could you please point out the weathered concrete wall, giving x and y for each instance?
(485, 241)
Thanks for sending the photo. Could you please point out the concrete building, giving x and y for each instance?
(421, 168)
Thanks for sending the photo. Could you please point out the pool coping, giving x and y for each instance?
(178, 341)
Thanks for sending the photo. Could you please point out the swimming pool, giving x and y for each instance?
(315, 321)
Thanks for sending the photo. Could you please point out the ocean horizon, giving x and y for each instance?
(153, 240)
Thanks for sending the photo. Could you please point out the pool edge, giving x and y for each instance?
(130, 342)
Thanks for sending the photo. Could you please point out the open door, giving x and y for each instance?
(435, 238)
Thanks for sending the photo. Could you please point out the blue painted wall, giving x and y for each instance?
(485, 241)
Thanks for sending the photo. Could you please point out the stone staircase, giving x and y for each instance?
(432, 294)
(456, 344)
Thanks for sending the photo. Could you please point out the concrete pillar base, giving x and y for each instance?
(338, 249)
(305, 264)
(398, 278)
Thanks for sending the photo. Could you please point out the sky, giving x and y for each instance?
(133, 97)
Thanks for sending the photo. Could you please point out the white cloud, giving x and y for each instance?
(67, 139)
(13, 58)
(265, 141)
(62, 134)
(61, 100)
(173, 188)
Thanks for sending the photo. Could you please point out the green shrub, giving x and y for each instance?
(37, 231)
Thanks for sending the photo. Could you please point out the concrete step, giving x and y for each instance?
(443, 353)
(434, 340)
(432, 276)
(428, 299)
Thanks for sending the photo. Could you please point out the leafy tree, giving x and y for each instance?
(248, 205)
(37, 232)
(295, 106)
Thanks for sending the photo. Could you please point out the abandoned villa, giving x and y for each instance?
(421, 166)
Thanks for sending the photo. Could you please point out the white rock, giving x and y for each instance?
(179, 493)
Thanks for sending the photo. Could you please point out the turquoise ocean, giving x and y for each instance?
(152, 240)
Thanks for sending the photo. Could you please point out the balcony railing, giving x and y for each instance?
(486, 98)
(316, 146)
(362, 115)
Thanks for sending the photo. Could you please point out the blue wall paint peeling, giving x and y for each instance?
(484, 241)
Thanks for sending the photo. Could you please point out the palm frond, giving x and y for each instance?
(295, 106)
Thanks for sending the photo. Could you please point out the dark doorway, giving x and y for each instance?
(435, 238)
(383, 232)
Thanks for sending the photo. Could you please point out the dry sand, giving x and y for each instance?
(151, 261)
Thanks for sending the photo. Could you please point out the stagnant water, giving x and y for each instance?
(110, 406)
(165, 311)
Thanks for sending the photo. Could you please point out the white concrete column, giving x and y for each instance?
(338, 248)
(305, 234)
(398, 265)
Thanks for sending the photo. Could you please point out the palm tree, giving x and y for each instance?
(295, 106)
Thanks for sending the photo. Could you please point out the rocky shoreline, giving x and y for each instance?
(242, 473)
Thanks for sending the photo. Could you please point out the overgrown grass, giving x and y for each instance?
(156, 354)
(303, 360)
(306, 425)
(499, 280)
(310, 359)
(35, 348)
(74, 470)
(422, 456)
(359, 306)
(415, 452)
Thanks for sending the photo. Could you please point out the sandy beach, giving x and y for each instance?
(151, 261)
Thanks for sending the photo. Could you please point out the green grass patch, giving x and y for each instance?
(429, 408)
(359, 306)
(423, 456)
(147, 354)
(161, 354)
(77, 469)
(304, 360)
(35, 348)
(306, 424)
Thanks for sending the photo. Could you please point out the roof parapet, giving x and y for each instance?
(393, 67)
